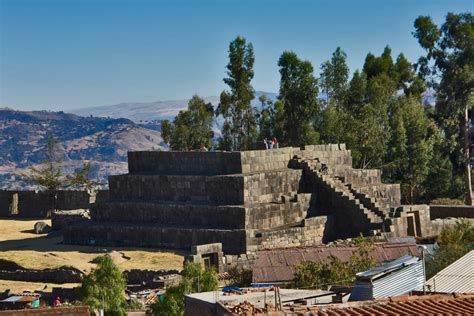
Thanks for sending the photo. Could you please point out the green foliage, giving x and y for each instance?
(104, 288)
(240, 126)
(298, 93)
(410, 149)
(333, 271)
(334, 76)
(333, 121)
(191, 128)
(240, 277)
(453, 243)
(49, 177)
(195, 279)
(449, 64)
(81, 178)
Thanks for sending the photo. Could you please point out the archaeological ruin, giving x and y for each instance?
(248, 201)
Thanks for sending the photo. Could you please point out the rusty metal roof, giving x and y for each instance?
(399, 305)
(277, 265)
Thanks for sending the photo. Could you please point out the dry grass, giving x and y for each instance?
(18, 243)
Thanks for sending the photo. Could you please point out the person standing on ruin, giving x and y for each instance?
(265, 142)
(269, 144)
(275, 143)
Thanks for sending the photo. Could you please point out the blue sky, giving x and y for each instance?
(65, 54)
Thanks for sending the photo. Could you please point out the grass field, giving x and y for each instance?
(20, 244)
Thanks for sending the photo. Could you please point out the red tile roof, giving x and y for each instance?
(277, 265)
(438, 304)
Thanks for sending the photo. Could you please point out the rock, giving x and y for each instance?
(42, 228)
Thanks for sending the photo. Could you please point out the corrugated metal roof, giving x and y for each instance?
(13, 299)
(398, 277)
(387, 267)
(458, 277)
(277, 265)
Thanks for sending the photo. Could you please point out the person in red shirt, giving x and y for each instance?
(57, 302)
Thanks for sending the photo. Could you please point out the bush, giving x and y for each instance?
(240, 277)
(333, 271)
(453, 243)
(195, 279)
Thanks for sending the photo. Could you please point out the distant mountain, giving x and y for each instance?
(103, 141)
(152, 111)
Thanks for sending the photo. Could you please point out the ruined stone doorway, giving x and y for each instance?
(210, 261)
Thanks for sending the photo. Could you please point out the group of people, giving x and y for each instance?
(271, 143)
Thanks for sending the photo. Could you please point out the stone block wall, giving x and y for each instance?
(266, 160)
(415, 220)
(309, 234)
(225, 190)
(362, 177)
(62, 219)
(386, 193)
(267, 187)
(154, 236)
(211, 216)
(445, 211)
(270, 215)
(31, 204)
(200, 189)
(184, 162)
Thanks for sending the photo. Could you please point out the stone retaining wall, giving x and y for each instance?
(61, 219)
(31, 204)
(386, 193)
(225, 190)
(445, 211)
(58, 276)
(184, 162)
(225, 217)
(143, 235)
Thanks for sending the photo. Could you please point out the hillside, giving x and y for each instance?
(151, 111)
(103, 141)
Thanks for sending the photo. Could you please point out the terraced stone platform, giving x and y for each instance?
(245, 200)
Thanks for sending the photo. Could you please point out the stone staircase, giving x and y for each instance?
(357, 203)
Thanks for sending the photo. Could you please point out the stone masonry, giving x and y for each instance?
(246, 201)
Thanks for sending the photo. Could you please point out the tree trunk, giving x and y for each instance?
(467, 156)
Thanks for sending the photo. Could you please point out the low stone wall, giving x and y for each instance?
(31, 204)
(61, 219)
(242, 261)
(150, 277)
(415, 220)
(445, 211)
(58, 276)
